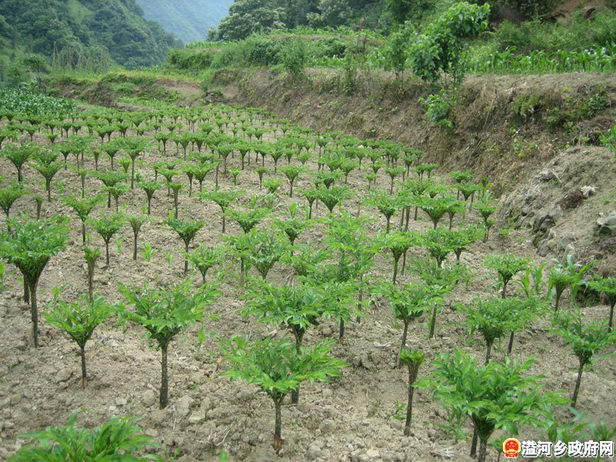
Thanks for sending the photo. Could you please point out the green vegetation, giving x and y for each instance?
(85, 34)
(116, 439)
(278, 368)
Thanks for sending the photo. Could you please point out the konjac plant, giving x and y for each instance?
(607, 287)
(223, 199)
(204, 258)
(586, 339)
(186, 230)
(8, 196)
(296, 308)
(117, 439)
(506, 266)
(277, 369)
(78, 320)
(83, 207)
(29, 246)
(493, 396)
(107, 226)
(413, 359)
(164, 312)
(409, 302)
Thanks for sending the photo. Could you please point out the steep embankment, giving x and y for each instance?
(505, 127)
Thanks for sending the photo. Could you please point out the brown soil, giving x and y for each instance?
(351, 419)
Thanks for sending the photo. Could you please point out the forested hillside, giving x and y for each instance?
(86, 27)
(188, 19)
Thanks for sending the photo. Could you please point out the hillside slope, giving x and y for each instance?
(187, 19)
(116, 27)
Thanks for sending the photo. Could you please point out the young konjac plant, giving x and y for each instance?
(409, 302)
(79, 319)
(107, 226)
(136, 222)
(164, 313)
(83, 207)
(586, 339)
(29, 246)
(8, 196)
(507, 266)
(607, 287)
(186, 230)
(296, 308)
(278, 369)
(204, 258)
(496, 395)
(413, 360)
(223, 199)
(91, 256)
(117, 439)
(567, 274)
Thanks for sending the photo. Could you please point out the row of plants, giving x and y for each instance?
(335, 281)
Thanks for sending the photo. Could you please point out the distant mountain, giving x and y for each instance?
(114, 28)
(187, 19)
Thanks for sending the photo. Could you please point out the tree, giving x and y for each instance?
(276, 367)
(413, 360)
(586, 339)
(495, 395)
(164, 313)
(117, 439)
(29, 246)
(79, 320)
(439, 49)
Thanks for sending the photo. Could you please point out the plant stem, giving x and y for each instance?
(34, 313)
(489, 351)
(409, 407)
(164, 384)
(483, 446)
(278, 426)
(403, 341)
(510, 346)
(432, 322)
(84, 374)
(474, 443)
(577, 385)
